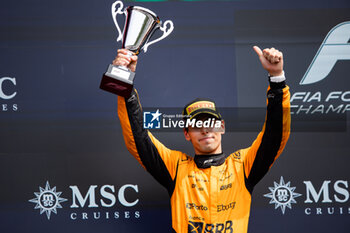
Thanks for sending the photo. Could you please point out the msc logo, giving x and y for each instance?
(335, 47)
(201, 227)
(282, 195)
(151, 120)
(48, 200)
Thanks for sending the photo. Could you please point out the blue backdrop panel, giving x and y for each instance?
(60, 136)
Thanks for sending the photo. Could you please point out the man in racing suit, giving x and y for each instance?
(210, 192)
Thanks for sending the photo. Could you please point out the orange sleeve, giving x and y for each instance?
(160, 161)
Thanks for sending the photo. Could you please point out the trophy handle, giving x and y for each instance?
(115, 12)
(165, 31)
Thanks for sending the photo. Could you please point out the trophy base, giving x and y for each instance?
(118, 80)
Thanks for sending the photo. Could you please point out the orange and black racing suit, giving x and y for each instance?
(209, 193)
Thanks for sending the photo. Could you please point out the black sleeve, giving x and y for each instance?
(140, 142)
(273, 138)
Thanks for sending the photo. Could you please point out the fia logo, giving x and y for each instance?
(47, 200)
(282, 195)
(151, 120)
(334, 47)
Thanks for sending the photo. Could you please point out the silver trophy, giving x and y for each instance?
(140, 24)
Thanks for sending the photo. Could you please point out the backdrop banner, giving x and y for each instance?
(64, 166)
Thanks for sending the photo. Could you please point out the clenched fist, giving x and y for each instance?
(271, 60)
(126, 58)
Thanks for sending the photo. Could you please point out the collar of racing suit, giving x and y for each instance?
(206, 161)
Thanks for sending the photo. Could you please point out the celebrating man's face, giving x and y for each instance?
(205, 140)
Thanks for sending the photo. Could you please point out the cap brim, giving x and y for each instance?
(206, 112)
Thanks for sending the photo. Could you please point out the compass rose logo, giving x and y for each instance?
(282, 195)
(47, 200)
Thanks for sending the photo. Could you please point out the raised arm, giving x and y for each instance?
(275, 133)
(157, 159)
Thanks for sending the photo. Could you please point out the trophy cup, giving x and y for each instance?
(140, 24)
